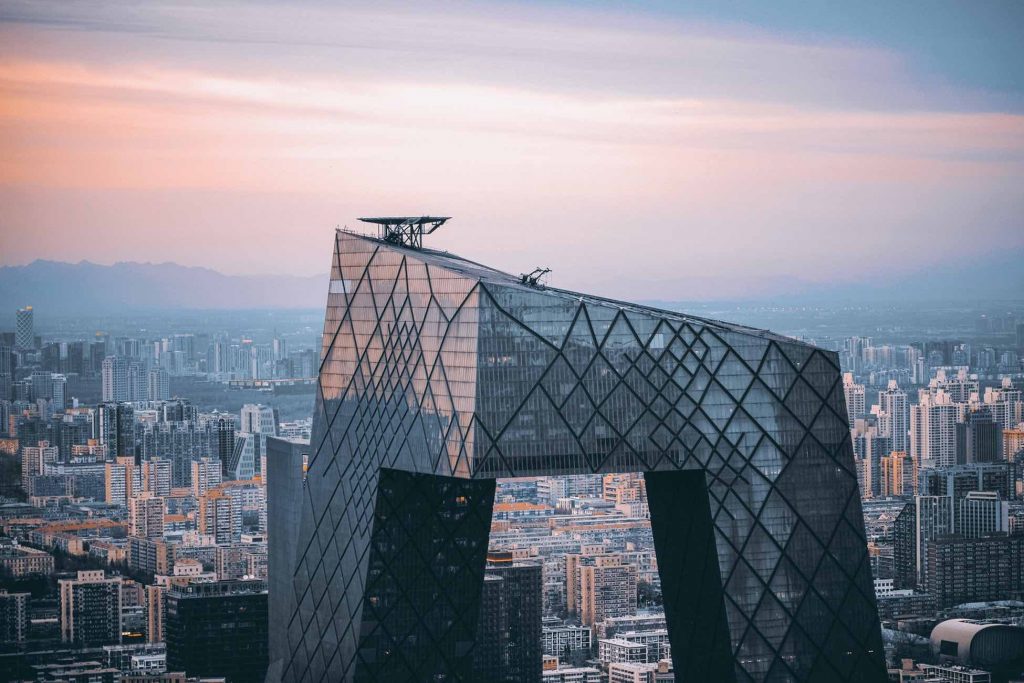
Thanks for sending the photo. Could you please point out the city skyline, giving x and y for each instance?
(789, 136)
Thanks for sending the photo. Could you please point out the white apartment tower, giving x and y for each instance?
(933, 429)
(855, 406)
(893, 403)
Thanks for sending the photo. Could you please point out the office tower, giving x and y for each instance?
(440, 375)
(34, 460)
(115, 379)
(222, 441)
(114, 427)
(933, 429)
(42, 385)
(257, 423)
(206, 475)
(508, 642)
(59, 392)
(218, 517)
(90, 609)
(899, 475)
(13, 617)
(977, 439)
(158, 385)
(146, 516)
(123, 480)
(855, 401)
(25, 333)
(893, 402)
(218, 629)
(249, 450)
(259, 419)
(981, 513)
(156, 476)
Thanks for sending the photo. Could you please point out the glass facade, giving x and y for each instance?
(442, 368)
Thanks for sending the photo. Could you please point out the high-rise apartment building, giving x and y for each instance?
(206, 474)
(961, 569)
(158, 385)
(934, 518)
(146, 516)
(34, 460)
(114, 377)
(24, 332)
(218, 516)
(508, 643)
(90, 609)
(933, 429)
(1013, 442)
(855, 398)
(893, 403)
(899, 475)
(1005, 403)
(440, 375)
(123, 480)
(218, 629)
(13, 617)
(603, 586)
(156, 476)
(114, 427)
(155, 610)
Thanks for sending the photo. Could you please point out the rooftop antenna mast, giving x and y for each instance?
(406, 230)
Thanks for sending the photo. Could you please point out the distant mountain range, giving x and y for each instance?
(58, 288)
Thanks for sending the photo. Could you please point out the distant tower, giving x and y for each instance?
(25, 335)
(115, 378)
(854, 398)
(158, 385)
(894, 404)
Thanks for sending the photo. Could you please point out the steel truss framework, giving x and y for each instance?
(439, 375)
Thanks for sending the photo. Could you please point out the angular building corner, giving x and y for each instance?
(439, 375)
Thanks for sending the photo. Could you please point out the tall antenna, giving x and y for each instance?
(406, 230)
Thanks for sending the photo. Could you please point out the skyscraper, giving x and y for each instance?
(25, 333)
(439, 375)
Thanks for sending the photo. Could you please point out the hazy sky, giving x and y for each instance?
(639, 150)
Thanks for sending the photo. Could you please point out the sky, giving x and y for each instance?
(640, 150)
